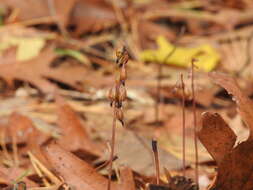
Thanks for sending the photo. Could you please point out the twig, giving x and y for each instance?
(195, 123)
(156, 161)
(183, 120)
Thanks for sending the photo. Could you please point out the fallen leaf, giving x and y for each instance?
(75, 172)
(214, 126)
(234, 164)
(21, 129)
(27, 48)
(206, 55)
(42, 8)
(38, 70)
(127, 179)
(96, 16)
(10, 175)
(69, 123)
(245, 105)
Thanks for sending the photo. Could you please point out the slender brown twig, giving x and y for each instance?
(156, 161)
(183, 120)
(195, 123)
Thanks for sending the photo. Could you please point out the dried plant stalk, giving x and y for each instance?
(117, 95)
(160, 73)
(195, 123)
(183, 121)
(156, 161)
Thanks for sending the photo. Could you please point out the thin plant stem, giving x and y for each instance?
(112, 146)
(156, 161)
(159, 80)
(159, 76)
(195, 124)
(183, 120)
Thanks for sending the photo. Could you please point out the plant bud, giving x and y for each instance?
(120, 116)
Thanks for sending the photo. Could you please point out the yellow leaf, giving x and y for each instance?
(27, 47)
(206, 55)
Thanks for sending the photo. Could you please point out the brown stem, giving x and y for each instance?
(159, 81)
(183, 120)
(156, 161)
(159, 78)
(195, 124)
(112, 146)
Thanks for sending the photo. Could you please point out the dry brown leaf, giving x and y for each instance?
(243, 102)
(69, 123)
(8, 175)
(127, 179)
(42, 8)
(214, 126)
(234, 164)
(150, 31)
(21, 129)
(37, 71)
(96, 15)
(75, 172)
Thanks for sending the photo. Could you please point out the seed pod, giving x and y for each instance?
(123, 74)
(118, 104)
(111, 94)
(120, 116)
(118, 55)
(123, 60)
(122, 57)
(122, 94)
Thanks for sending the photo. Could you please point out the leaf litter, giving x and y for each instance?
(57, 65)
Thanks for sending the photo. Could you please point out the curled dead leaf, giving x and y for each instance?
(75, 172)
(245, 105)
